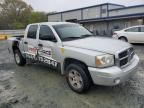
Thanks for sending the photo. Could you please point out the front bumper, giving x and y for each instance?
(113, 75)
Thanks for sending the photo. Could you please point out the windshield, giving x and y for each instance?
(71, 31)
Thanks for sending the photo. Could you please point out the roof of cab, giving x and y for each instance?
(131, 27)
(52, 23)
(135, 26)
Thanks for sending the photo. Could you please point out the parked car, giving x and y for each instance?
(83, 58)
(133, 34)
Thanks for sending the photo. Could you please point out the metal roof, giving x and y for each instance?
(127, 7)
(139, 15)
(86, 8)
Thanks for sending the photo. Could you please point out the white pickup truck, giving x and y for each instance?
(83, 58)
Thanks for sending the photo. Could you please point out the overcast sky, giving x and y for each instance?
(62, 5)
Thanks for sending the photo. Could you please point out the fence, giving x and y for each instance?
(11, 32)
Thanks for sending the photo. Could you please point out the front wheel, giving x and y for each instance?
(19, 58)
(77, 78)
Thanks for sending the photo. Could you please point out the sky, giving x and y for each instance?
(62, 5)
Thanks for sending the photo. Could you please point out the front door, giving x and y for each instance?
(47, 46)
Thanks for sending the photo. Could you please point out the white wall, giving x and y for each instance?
(54, 18)
(91, 13)
(72, 15)
(95, 12)
(104, 14)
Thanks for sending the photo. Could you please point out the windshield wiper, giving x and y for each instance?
(73, 38)
(86, 35)
(70, 38)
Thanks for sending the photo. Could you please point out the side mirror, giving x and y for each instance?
(52, 38)
(92, 32)
(48, 38)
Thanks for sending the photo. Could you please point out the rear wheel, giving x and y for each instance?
(123, 39)
(19, 58)
(77, 78)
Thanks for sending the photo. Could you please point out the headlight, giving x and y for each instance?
(104, 60)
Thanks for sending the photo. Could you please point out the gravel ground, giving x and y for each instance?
(36, 86)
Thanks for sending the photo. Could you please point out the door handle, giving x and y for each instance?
(40, 45)
(25, 42)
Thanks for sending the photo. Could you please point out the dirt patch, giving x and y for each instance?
(8, 93)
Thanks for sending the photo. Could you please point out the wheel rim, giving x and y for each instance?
(75, 79)
(17, 58)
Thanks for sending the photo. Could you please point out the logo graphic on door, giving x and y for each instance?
(32, 50)
(43, 55)
(46, 52)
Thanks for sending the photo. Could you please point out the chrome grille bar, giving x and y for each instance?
(124, 57)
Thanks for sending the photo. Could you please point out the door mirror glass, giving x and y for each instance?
(46, 34)
(92, 32)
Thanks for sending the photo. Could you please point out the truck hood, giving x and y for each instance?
(105, 45)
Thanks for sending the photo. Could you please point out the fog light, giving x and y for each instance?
(117, 81)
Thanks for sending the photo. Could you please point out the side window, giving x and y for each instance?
(46, 33)
(142, 29)
(32, 31)
(135, 29)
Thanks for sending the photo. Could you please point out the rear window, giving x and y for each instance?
(142, 29)
(134, 29)
(32, 32)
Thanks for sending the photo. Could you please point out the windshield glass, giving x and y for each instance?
(71, 31)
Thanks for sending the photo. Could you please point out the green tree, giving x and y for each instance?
(14, 14)
(36, 17)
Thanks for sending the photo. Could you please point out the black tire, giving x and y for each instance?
(123, 39)
(22, 61)
(82, 74)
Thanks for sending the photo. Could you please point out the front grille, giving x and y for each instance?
(123, 54)
(123, 62)
(125, 57)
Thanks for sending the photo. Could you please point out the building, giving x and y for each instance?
(102, 19)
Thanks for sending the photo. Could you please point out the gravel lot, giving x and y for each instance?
(36, 86)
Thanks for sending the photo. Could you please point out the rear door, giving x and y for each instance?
(48, 49)
(133, 34)
(30, 42)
